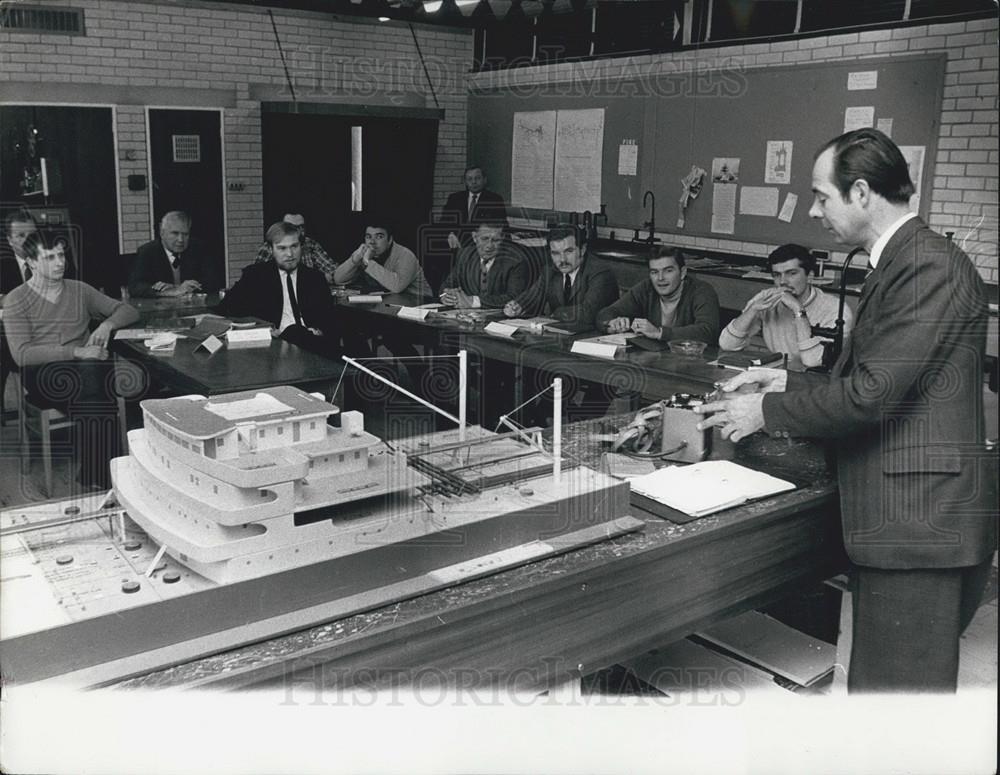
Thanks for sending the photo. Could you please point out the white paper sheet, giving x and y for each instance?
(724, 208)
(778, 164)
(532, 159)
(859, 117)
(862, 79)
(579, 151)
(788, 208)
(758, 200)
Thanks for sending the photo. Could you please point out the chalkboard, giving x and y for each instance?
(680, 119)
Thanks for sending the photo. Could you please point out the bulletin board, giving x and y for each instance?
(678, 119)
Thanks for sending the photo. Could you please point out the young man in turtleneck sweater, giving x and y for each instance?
(65, 365)
(667, 305)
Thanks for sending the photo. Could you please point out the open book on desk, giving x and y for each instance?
(702, 488)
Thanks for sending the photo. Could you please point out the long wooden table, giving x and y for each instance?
(535, 626)
(655, 373)
(191, 370)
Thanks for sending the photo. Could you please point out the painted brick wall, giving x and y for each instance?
(189, 45)
(963, 191)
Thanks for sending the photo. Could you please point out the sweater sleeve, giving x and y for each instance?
(628, 306)
(115, 312)
(704, 322)
(348, 270)
(398, 272)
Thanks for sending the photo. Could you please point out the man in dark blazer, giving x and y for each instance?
(904, 404)
(486, 273)
(291, 296)
(465, 210)
(669, 304)
(573, 289)
(173, 265)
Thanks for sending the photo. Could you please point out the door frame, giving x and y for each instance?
(114, 144)
(222, 177)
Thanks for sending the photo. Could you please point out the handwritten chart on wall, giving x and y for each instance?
(556, 159)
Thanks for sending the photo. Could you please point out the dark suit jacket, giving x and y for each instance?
(152, 266)
(258, 294)
(594, 289)
(508, 277)
(697, 314)
(455, 213)
(904, 401)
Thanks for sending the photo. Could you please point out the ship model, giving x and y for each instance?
(264, 511)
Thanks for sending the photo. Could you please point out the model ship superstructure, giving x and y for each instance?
(228, 484)
(247, 484)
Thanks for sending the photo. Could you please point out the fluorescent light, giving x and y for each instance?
(433, 6)
(461, 3)
(383, 18)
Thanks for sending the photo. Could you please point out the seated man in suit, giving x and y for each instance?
(573, 290)
(486, 273)
(475, 205)
(667, 305)
(382, 264)
(47, 325)
(290, 296)
(784, 314)
(173, 265)
(313, 254)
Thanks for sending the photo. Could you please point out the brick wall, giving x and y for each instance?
(963, 191)
(170, 49)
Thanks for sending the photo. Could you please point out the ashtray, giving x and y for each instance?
(688, 347)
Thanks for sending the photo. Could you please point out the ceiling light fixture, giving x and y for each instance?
(433, 6)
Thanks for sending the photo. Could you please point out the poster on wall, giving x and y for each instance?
(579, 151)
(914, 155)
(532, 158)
(778, 162)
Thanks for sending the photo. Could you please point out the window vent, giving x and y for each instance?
(39, 19)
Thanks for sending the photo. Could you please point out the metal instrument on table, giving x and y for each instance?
(667, 430)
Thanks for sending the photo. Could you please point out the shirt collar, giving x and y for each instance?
(883, 240)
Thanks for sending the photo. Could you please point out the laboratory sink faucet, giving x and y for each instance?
(651, 223)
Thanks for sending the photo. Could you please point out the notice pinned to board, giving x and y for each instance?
(759, 200)
(859, 117)
(914, 155)
(884, 125)
(628, 157)
(862, 80)
(579, 151)
(788, 208)
(532, 158)
(778, 163)
(724, 209)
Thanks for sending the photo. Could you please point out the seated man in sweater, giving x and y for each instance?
(486, 273)
(65, 365)
(784, 315)
(382, 264)
(667, 305)
(573, 289)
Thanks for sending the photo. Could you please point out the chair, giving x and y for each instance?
(43, 422)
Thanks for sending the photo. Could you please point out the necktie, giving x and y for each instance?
(27, 272)
(483, 275)
(175, 261)
(567, 289)
(472, 205)
(291, 298)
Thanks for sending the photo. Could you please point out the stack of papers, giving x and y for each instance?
(707, 487)
(162, 342)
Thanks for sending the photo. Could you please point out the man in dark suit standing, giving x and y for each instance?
(465, 210)
(291, 296)
(572, 290)
(173, 265)
(904, 404)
